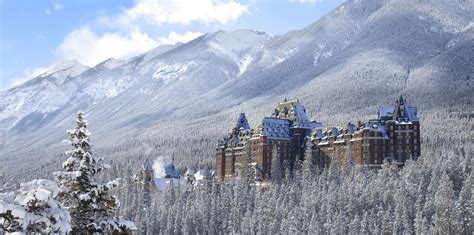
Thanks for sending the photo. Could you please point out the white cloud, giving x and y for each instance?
(58, 6)
(174, 37)
(90, 49)
(158, 12)
(125, 38)
(47, 12)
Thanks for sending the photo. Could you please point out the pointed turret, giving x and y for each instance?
(399, 112)
(242, 122)
(403, 112)
(401, 101)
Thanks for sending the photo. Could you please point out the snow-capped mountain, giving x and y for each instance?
(362, 54)
(162, 69)
(39, 96)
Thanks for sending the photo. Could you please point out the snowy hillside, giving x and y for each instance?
(361, 55)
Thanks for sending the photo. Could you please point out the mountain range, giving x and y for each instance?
(363, 54)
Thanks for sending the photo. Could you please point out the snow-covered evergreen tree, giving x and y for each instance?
(90, 204)
(34, 209)
(444, 217)
(464, 211)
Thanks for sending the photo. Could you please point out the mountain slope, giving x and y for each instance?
(361, 55)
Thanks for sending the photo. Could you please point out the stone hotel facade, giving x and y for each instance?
(290, 135)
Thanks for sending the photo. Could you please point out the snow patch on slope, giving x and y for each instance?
(244, 63)
(108, 87)
(169, 72)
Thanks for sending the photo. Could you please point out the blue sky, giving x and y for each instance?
(34, 35)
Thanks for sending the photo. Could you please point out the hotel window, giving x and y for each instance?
(407, 141)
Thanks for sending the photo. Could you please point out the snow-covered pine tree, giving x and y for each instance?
(89, 202)
(464, 210)
(445, 209)
(33, 209)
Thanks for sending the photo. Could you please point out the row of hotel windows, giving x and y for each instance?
(404, 127)
(378, 134)
(399, 141)
(401, 135)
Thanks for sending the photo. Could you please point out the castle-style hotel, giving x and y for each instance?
(289, 135)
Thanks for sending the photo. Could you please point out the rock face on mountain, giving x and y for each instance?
(362, 54)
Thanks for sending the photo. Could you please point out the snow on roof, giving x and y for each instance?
(316, 134)
(386, 111)
(274, 127)
(171, 171)
(200, 176)
(377, 125)
(411, 112)
(300, 115)
(403, 111)
(295, 113)
(189, 171)
(404, 123)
